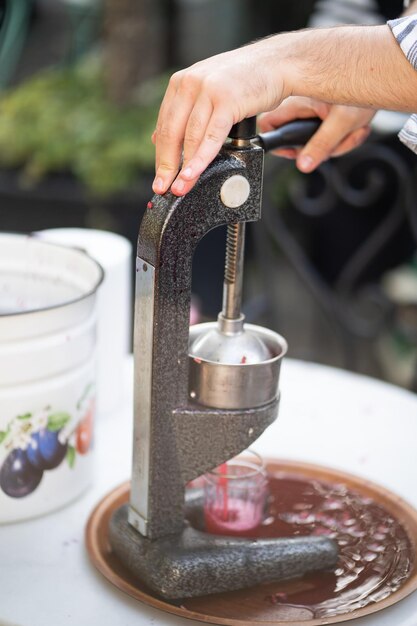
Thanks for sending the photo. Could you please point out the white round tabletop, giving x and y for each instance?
(327, 416)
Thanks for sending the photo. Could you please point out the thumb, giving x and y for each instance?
(320, 147)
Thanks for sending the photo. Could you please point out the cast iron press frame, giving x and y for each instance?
(175, 439)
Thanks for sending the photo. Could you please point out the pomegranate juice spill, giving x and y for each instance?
(375, 552)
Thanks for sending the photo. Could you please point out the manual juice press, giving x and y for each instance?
(202, 395)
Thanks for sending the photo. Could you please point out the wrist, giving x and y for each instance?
(271, 61)
(287, 62)
(289, 54)
(294, 53)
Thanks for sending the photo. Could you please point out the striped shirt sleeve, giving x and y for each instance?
(404, 30)
(331, 13)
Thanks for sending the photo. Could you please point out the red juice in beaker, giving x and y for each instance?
(235, 496)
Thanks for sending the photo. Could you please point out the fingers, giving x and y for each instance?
(202, 145)
(165, 105)
(195, 118)
(337, 129)
(293, 108)
(170, 131)
(343, 129)
(287, 153)
(352, 141)
(196, 127)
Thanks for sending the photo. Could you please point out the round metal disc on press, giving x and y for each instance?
(235, 191)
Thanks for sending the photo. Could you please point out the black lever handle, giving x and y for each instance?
(291, 135)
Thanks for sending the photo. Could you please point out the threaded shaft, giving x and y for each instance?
(231, 253)
(232, 287)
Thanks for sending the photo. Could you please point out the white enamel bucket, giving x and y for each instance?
(47, 374)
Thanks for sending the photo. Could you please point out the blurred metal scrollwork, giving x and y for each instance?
(355, 307)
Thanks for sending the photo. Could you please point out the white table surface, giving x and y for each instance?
(327, 416)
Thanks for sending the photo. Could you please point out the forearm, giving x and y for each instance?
(352, 65)
(346, 65)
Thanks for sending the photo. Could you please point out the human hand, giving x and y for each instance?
(343, 129)
(203, 102)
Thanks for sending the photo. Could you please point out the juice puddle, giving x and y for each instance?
(375, 552)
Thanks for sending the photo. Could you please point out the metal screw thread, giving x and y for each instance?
(231, 252)
(233, 271)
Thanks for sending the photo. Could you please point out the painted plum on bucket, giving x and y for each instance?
(41, 441)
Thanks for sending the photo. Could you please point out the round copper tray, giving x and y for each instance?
(246, 607)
